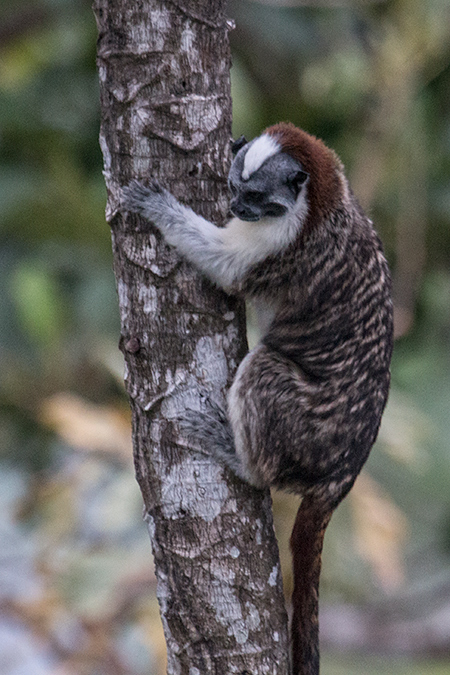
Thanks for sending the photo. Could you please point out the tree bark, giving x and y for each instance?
(166, 114)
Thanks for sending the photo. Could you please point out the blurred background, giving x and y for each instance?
(372, 78)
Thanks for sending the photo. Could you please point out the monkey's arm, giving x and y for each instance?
(196, 239)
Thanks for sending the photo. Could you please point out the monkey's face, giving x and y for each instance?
(264, 182)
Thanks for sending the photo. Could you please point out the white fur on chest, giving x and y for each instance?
(252, 242)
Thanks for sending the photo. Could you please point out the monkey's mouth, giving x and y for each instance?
(250, 219)
(246, 215)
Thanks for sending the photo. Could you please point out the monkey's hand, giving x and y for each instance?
(154, 203)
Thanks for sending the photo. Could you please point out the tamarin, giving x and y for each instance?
(305, 405)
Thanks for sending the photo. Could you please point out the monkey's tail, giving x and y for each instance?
(306, 546)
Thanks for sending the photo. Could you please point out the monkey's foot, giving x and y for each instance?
(211, 428)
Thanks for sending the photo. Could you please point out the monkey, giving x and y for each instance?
(305, 405)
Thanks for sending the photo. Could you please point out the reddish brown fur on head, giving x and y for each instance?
(324, 186)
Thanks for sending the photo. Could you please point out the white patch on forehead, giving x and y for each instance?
(264, 147)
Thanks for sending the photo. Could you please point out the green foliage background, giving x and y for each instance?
(373, 80)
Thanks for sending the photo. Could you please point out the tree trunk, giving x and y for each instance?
(166, 113)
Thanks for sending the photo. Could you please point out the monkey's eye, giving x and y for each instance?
(233, 188)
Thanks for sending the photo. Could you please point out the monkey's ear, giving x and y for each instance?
(237, 145)
(297, 179)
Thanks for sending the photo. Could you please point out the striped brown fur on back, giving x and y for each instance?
(311, 395)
